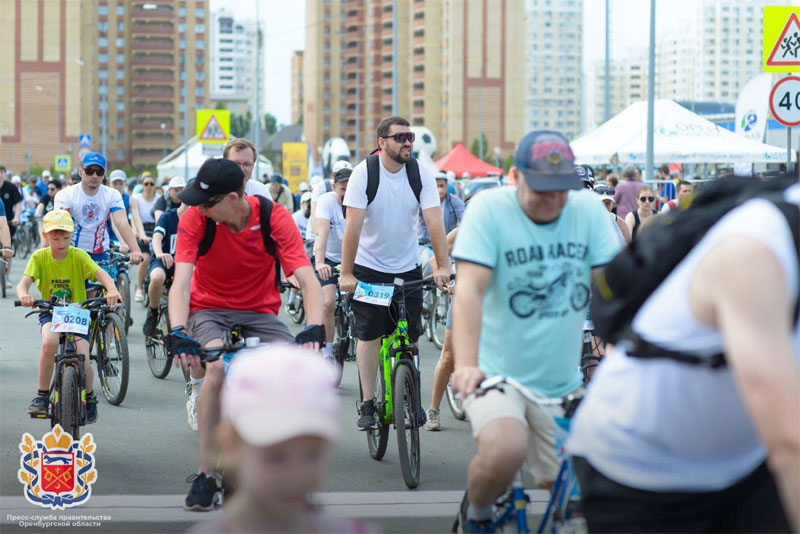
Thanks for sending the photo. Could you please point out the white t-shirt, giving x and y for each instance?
(301, 221)
(317, 191)
(89, 214)
(389, 242)
(253, 187)
(660, 425)
(328, 208)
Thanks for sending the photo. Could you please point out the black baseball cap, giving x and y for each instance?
(342, 175)
(547, 162)
(276, 179)
(215, 177)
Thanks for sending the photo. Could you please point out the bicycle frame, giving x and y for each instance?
(67, 354)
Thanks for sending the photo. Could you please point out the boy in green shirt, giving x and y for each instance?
(61, 271)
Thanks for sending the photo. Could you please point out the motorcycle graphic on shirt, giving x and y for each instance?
(552, 297)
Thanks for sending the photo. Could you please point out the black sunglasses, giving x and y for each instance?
(213, 201)
(97, 171)
(401, 137)
(148, 183)
(647, 199)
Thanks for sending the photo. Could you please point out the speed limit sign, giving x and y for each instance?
(784, 101)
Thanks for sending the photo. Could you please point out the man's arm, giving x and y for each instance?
(312, 293)
(178, 304)
(433, 220)
(322, 229)
(17, 213)
(124, 230)
(5, 236)
(138, 228)
(467, 310)
(751, 305)
(352, 233)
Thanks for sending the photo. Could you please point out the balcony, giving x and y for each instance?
(152, 125)
(164, 28)
(161, 12)
(153, 44)
(153, 59)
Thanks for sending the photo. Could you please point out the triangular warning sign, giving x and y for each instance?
(212, 131)
(786, 52)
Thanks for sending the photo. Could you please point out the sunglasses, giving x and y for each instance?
(401, 137)
(213, 201)
(647, 199)
(97, 171)
(148, 184)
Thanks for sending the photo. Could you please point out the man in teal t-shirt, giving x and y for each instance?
(524, 258)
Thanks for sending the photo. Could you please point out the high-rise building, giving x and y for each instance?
(627, 84)
(678, 66)
(297, 86)
(44, 103)
(234, 62)
(554, 64)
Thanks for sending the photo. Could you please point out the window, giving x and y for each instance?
(200, 45)
(120, 42)
(120, 122)
(120, 154)
(182, 12)
(102, 26)
(120, 26)
(120, 107)
(120, 58)
(102, 74)
(201, 91)
(200, 13)
(120, 10)
(103, 41)
(200, 28)
(102, 58)
(182, 28)
(102, 10)
(120, 74)
(103, 90)
(199, 76)
(120, 89)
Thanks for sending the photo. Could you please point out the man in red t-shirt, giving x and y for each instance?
(232, 284)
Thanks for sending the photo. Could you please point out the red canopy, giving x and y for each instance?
(460, 160)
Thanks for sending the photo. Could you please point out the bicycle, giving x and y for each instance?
(562, 513)
(117, 268)
(67, 406)
(3, 276)
(438, 317)
(592, 351)
(397, 388)
(295, 310)
(26, 237)
(107, 333)
(156, 345)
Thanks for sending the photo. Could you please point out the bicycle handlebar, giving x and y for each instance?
(43, 306)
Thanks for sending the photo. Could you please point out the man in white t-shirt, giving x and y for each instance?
(665, 446)
(380, 244)
(91, 203)
(243, 153)
(328, 249)
(319, 188)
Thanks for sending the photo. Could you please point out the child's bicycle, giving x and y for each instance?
(397, 384)
(562, 513)
(67, 406)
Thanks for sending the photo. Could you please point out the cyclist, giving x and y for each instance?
(60, 270)
(280, 193)
(146, 205)
(206, 301)
(328, 249)
(302, 216)
(380, 244)
(664, 446)
(47, 203)
(12, 202)
(5, 235)
(684, 194)
(168, 200)
(242, 152)
(524, 256)
(320, 186)
(607, 196)
(117, 180)
(91, 203)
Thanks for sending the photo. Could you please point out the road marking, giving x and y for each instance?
(169, 508)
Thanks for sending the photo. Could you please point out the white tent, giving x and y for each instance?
(175, 164)
(680, 137)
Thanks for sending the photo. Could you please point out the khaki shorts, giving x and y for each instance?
(543, 462)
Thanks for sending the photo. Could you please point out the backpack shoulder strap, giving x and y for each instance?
(328, 186)
(265, 210)
(373, 177)
(414, 180)
(208, 237)
(792, 214)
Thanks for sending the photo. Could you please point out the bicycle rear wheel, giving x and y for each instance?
(377, 438)
(113, 364)
(124, 288)
(406, 420)
(441, 301)
(156, 347)
(3, 278)
(69, 397)
(299, 314)
(456, 407)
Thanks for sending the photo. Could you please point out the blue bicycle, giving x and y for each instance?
(563, 513)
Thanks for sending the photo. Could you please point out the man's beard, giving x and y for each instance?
(399, 158)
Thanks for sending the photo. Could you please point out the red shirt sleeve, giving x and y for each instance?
(191, 228)
(289, 244)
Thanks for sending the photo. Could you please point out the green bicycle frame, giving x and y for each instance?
(393, 343)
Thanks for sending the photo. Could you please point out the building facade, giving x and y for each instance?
(297, 86)
(235, 67)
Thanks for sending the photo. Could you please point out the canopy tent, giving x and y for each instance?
(680, 136)
(460, 161)
(175, 163)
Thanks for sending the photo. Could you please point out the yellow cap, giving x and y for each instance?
(57, 220)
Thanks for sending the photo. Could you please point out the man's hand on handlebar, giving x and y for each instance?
(324, 271)
(166, 259)
(113, 298)
(312, 338)
(347, 282)
(442, 277)
(135, 258)
(27, 301)
(182, 348)
(465, 379)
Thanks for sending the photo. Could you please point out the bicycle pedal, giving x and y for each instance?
(38, 416)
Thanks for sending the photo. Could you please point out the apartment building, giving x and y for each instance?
(297, 86)
(235, 66)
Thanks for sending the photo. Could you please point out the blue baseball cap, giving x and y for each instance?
(93, 158)
(546, 161)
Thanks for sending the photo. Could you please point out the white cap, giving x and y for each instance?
(45, 173)
(16, 179)
(341, 164)
(451, 176)
(117, 174)
(176, 182)
(316, 179)
(306, 197)
(280, 392)
(441, 175)
(303, 186)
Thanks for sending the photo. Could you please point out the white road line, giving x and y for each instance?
(169, 508)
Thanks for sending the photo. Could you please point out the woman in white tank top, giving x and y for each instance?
(143, 224)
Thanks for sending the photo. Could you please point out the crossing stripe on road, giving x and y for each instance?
(169, 508)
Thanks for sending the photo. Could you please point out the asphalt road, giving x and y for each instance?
(146, 450)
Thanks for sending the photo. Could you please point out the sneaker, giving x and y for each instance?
(366, 415)
(139, 296)
(205, 493)
(191, 413)
(433, 420)
(38, 406)
(479, 526)
(150, 323)
(91, 408)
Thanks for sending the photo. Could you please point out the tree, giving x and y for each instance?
(270, 123)
(509, 162)
(475, 147)
(220, 105)
(300, 119)
(240, 124)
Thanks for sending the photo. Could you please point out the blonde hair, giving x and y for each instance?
(644, 188)
(238, 143)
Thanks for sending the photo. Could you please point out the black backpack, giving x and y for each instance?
(265, 208)
(620, 289)
(374, 178)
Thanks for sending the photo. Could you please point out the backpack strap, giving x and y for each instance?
(328, 186)
(208, 237)
(265, 212)
(373, 177)
(414, 180)
(792, 214)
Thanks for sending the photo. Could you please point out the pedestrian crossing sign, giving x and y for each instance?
(213, 125)
(781, 39)
(63, 163)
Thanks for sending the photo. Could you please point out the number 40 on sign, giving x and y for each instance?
(784, 101)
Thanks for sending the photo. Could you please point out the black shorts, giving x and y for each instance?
(373, 322)
(334, 279)
(11, 228)
(750, 505)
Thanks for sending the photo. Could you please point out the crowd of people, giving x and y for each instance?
(659, 444)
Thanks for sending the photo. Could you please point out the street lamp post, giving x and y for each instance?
(163, 140)
(651, 95)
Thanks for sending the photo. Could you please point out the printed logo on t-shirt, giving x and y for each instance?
(91, 213)
(61, 289)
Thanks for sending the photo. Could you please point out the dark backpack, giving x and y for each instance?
(374, 178)
(622, 287)
(328, 186)
(265, 209)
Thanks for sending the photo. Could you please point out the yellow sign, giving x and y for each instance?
(63, 163)
(781, 39)
(213, 125)
(295, 163)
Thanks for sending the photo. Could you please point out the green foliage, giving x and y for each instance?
(220, 105)
(241, 124)
(36, 170)
(270, 123)
(475, 147)
(509, 162)
(300, 119)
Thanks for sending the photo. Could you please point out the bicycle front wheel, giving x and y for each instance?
(406, 420)
(456, 407)
(439, 318)
(69, 398)
(156, 347)
(124, 288)
(377, 438)
(3, 278)
(299, 314)
(112, 364)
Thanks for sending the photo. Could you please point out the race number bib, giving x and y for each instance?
(374, 294)
(70, 319)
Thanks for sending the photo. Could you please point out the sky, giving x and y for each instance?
(284, 26)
